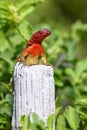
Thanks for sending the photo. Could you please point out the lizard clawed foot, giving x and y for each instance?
(48, 64)
(24, 63)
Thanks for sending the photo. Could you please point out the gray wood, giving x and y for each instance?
(33, 92)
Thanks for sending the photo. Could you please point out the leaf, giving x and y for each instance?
(4, 101)
(6, 56)
(25, 121)
(33, 126)
(70, 72)
(2, 119)
(72, 117)
(26, 12)
(83, 115)
(61, 125)
(6, 107)
(80, 30)
(37, 121)
(3, 42)
(72, 76)
(82, 102)
(16, 40)
(25, 29)
(35, 117)
(9, 97)
(1, 126)
(3, 6)
(81, 66)
(70, 44)
(22, 4)
(52, 117)
(26, 7)
(4, 88)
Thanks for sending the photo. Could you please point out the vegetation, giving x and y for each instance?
(70, 71)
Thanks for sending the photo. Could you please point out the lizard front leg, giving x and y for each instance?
(45, 61)
(23, 56)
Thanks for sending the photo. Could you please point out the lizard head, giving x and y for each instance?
(39, 36)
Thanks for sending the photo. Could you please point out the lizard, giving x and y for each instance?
(30, 55)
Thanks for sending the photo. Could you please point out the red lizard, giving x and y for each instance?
(30, 55)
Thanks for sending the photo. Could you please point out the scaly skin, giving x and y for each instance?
(30, 55)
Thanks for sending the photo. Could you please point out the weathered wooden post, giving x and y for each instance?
(33, 92)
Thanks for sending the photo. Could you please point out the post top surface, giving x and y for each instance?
(34, 68)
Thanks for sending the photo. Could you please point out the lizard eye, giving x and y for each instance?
(28, 45)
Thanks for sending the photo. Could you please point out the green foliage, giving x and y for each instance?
(25, 123)
(51, 119)
(25, 29)
(70, 76)
(72, 117)
(62, 51)
(61, 125)
(14, 31)
(32, 122)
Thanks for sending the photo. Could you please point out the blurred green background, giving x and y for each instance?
(65, 50)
